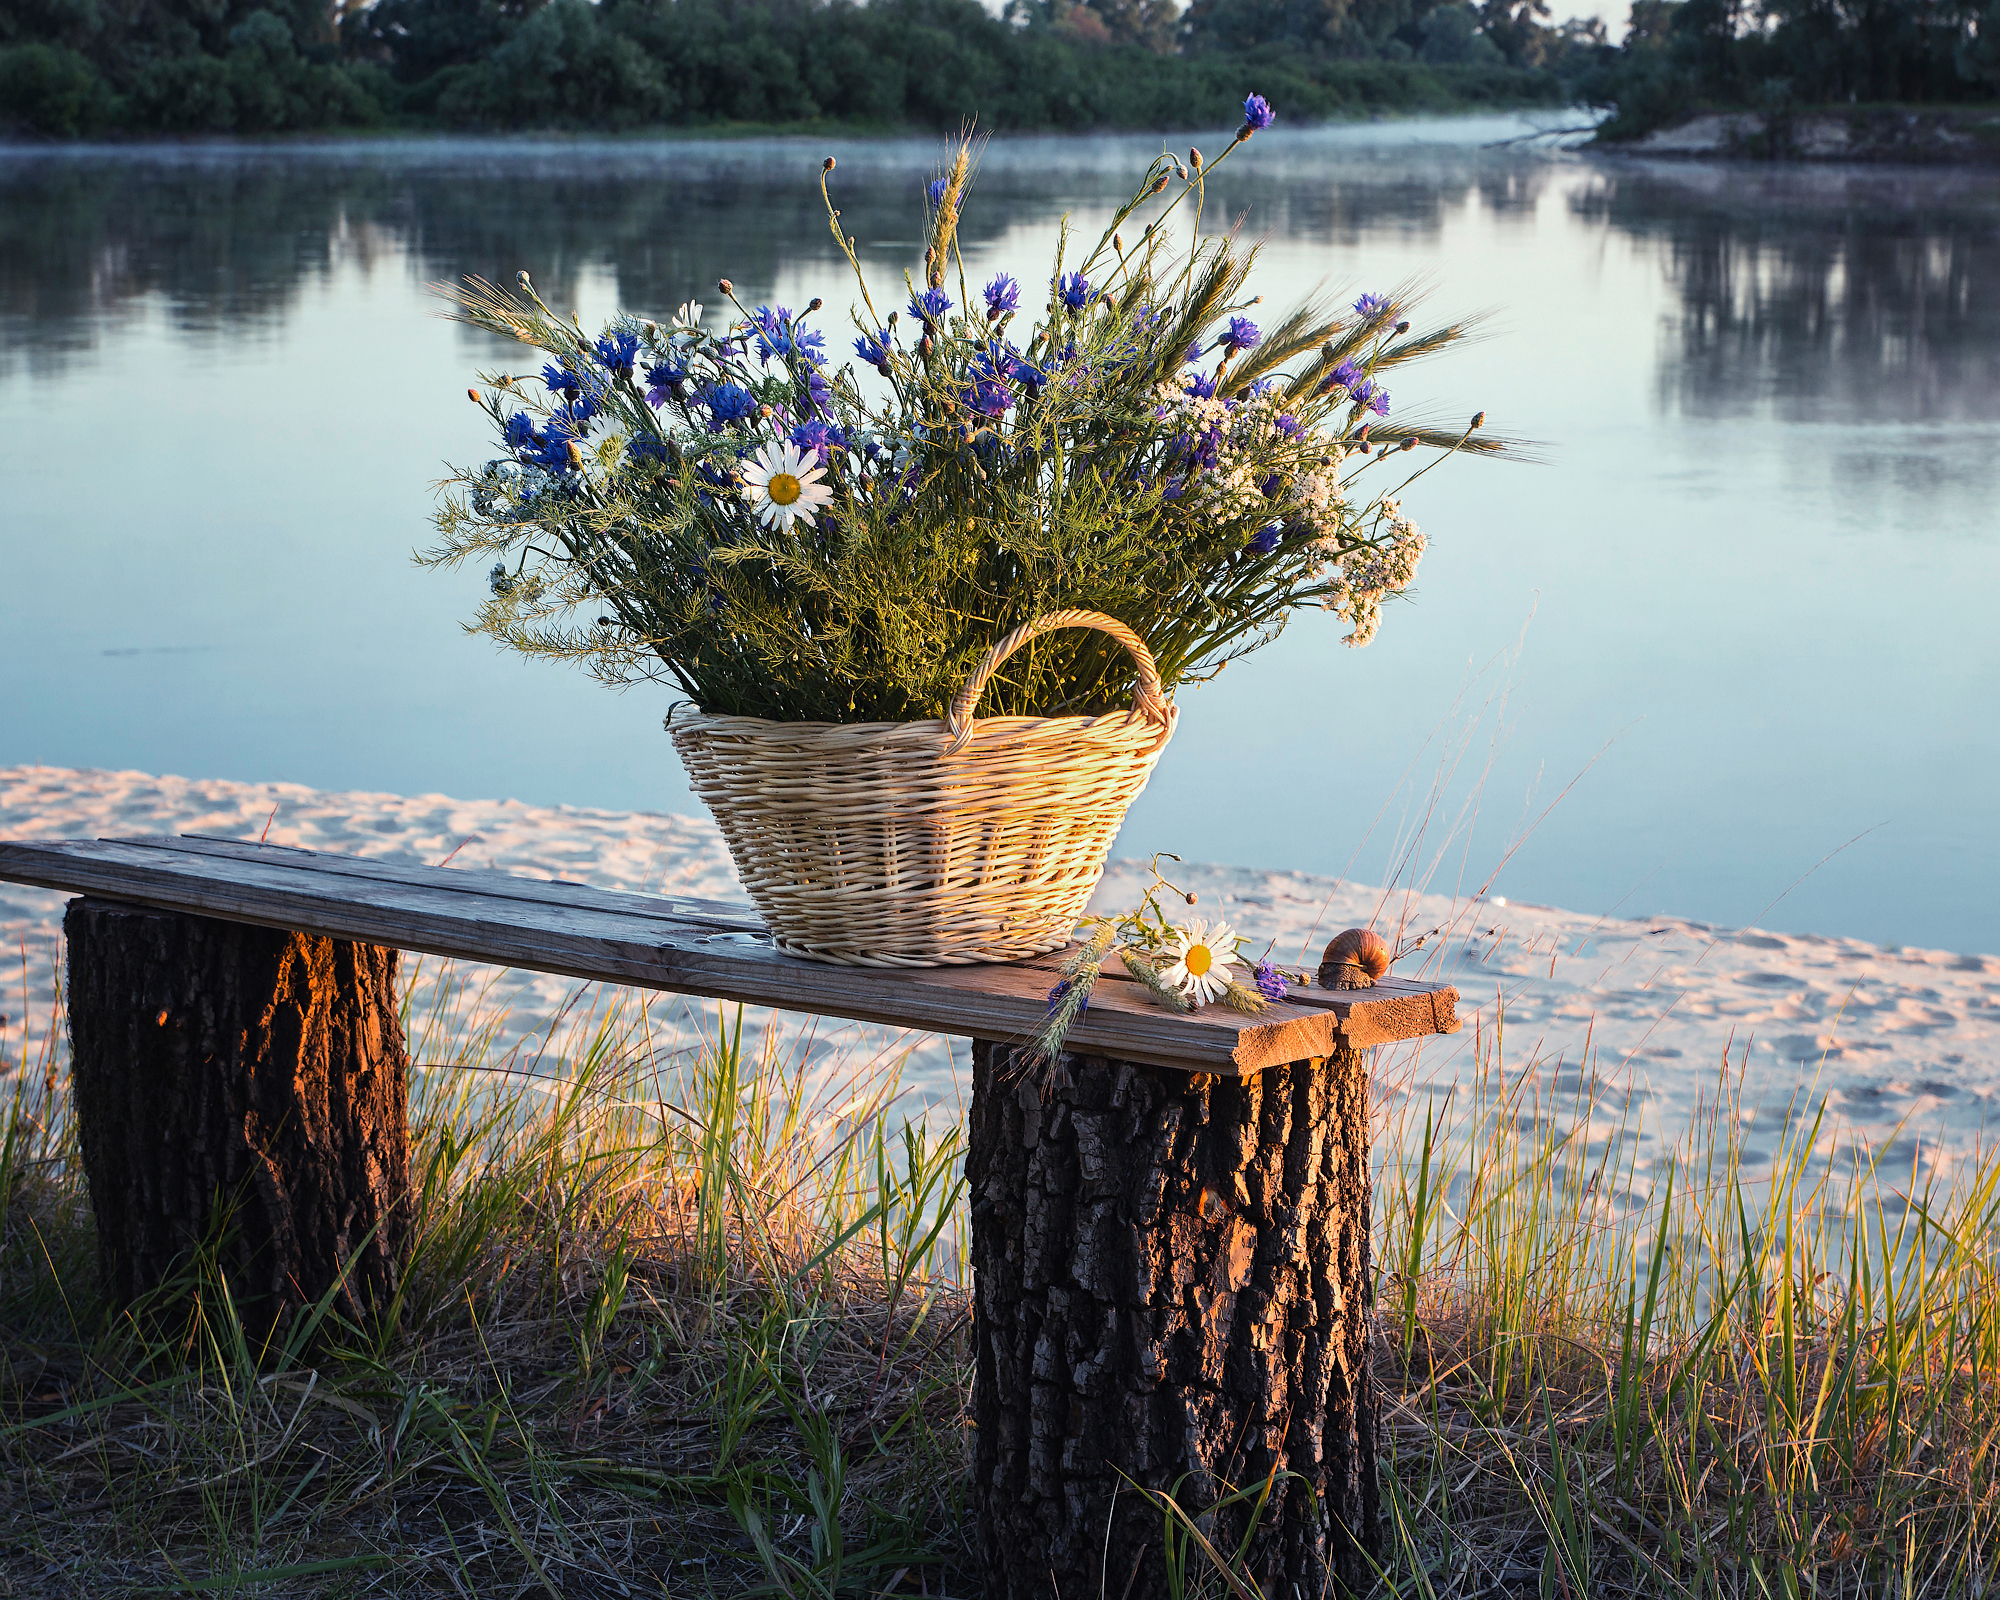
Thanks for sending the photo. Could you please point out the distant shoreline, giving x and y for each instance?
(1875, 134)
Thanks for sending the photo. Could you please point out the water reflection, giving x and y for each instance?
(1847, 297)
(1728, 363)
(228, 242)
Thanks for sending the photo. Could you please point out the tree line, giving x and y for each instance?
(1784, 55)
(71, 68)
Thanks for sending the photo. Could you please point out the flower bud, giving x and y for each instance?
(1401, 329)
(472, 395)
(1410, 443)
(725, 286)
(1478, 421)
(575, 454)
(1194, 158)
(524, 280)
(826, 165)
(816, 303)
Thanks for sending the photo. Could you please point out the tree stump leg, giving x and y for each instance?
(218, 1064)
(1173, 1285)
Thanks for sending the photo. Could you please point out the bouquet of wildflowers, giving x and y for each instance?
(728, 511)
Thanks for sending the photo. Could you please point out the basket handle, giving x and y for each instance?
(1148, 699)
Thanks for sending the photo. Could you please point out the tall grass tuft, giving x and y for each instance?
(691, 1321)
(1707, 1378)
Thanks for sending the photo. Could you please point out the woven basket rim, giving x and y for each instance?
(927, 729)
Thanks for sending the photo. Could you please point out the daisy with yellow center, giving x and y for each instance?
(1202, 953)
(781, 482)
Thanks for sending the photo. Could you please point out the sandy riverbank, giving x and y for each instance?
(1893, 1038)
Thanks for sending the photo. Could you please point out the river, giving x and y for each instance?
(1723, 649)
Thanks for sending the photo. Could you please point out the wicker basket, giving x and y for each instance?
(925, 844)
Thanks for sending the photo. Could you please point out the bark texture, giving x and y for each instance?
(218, 1064)
(1173, 1286)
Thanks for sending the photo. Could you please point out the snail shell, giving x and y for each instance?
(1353, 960)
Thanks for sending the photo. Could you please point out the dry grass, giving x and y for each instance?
(693, 1326)
(671, 1327)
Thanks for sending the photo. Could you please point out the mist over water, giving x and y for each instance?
(1747, 584)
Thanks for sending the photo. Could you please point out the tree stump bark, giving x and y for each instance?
(219, 1065)
(1173, 1287)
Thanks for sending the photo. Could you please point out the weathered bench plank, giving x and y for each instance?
(697, 947)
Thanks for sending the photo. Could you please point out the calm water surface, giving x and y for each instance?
(1747, 593)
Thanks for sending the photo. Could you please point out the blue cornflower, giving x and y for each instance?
(778, 338)
(873, 348)
(1361, 393)
(1270, 982)
(1257, 112)
(1074, 290)
(1203, 387)
(822, 438)
(663, 380)
(727, 403)
(1193, 355)
(1271, 485)
(617, 351)
(552, 448)
(1243, 334)
(990, 399)
(1265, 540)
(1371, 306)
(519, 431)
(818, 391)
(1379, 402)
(560, 380)
(1344, 376)
(1003, 294)
(930, 306)
(1259, 389)
(1290, 426)
(934, 191)
(1061, 992)
(645, 447)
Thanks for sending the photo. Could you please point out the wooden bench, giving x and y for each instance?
(1171, 1249)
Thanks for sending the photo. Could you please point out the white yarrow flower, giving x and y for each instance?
(1202, 953)
(781, 483)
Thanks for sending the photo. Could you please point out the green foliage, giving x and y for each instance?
(1775, 56)
(53, 90)
(981, 485)
(198, 66)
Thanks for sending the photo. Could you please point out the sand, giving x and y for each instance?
(1902, 1045)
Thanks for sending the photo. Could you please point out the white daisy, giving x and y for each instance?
(689, 315)
(1202, 954)
(781, 482)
